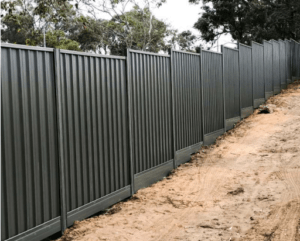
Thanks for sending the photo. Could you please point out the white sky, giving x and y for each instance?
(182, 15)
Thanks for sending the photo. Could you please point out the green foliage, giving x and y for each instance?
(57, 39)
(249, 20)
(25, 21)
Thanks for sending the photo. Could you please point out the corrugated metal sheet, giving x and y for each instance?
(297, 59)
(246, 76)
(212, 84)
(258, 71)
(150, 109)
(95, 120)
(231, 82)
(30, 175)
(268, 67)
(276, 67)
(288, 60)
(283, 62)
(186, 85)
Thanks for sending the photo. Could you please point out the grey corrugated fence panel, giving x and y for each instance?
(213, 101)
(150, 115)
(231, 78)
(283, 61)
(187, 101)
(268, 69)
(95, 124)
(288, 61)
(297, 50)
(30, 172)
(258, 74)
(246, 80)
(276, 67)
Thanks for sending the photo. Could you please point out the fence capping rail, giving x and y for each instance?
(185, 52)
(20, 46)
(253, 42)
(223, 46)
(245, 45)
(64, 51)
(146, 52)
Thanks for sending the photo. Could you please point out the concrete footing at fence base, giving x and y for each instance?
(184, 155)
(229, 123)
(150, 176)
(98, 205)
(268, 94)
(245, 112)
(258, 102)
(210, 138)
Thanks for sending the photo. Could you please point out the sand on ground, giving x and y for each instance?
(245, 187)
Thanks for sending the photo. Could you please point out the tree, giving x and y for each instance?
(248, 20)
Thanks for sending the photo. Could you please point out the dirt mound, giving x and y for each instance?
(244, 187)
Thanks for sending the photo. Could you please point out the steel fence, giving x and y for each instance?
(150, 116)
(231, 78)
(83, 131)
(213, 95)
(288, 61)
(246, 80)
(187, 102)
(258, 74)
(282, 64)
(276, 67)
(268, 69)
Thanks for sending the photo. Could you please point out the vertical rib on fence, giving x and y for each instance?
(231, 75)
(213, 101)
(246, 80)
(150, 114)
(187, 101)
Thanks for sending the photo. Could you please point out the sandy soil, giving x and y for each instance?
(246, 187)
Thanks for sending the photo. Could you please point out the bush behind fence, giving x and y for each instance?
(81, 132)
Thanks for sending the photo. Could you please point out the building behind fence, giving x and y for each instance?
(81, 132)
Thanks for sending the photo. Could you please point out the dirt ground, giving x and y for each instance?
(245, 187)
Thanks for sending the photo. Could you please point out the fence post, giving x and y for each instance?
(128, 61)
(62, 180)
(223, 82)
(202, 97)
(173, 107)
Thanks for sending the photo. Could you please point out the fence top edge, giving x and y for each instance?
(267, 42)
(274, 41)
(149, 53)
(210, 51)
(64, 51)
(20, 46)
(294, 41)
(230, 48)
(185, 52)
(253, 42)
(244, 45)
